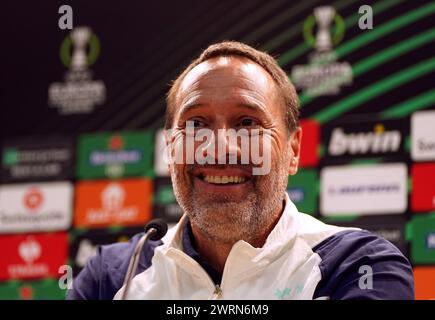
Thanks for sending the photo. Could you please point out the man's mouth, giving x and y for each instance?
(222, 179)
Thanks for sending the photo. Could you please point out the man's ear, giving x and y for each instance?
(295, 150)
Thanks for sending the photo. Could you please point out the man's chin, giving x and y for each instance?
(208, 200)
(222, 217)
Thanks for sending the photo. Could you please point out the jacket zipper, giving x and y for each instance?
(216, 289)
(217, 294)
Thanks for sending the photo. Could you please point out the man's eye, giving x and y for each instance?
(248, 122)
(195, 123)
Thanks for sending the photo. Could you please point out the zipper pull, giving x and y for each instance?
(217, 294)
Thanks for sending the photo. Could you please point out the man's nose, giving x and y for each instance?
(222, 146)
(227, 149)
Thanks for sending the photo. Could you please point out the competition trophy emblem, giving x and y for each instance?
(324, 16)
(79, 93)
(324, 75)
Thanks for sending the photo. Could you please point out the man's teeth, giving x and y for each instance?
(224, 179)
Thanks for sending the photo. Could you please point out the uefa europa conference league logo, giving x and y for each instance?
(323, 75)
(79, 93)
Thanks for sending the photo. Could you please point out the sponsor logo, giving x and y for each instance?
(423, 136)
(85, 251)
(170, 212)
(364, 189)
(44, 289)
(302, 190)
(173, 212)
(391, 228)
(10, 157)
(425, 145)
(166, 206)
(85, 245)
(112, 200)
(430, 240)
(115, 155)
(99, 158)
(33, 256)
(374, 189)
(30, 208)
(296, 195)
(79, 93)
(392, 235)
(310, 143)
(423, 191)
(14, 156)
(379, 141)
(33, 199)
(113, 197)
(29, 250)
(115, 158)
(422, 227)
(26, 293)
(324, 75)
(165, 195)
(21, 163)
(28, 270)
(124, 202)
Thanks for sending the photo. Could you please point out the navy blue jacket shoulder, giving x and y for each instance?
(347, 259)
(104, 273)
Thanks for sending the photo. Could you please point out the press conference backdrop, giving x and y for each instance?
(82, 112)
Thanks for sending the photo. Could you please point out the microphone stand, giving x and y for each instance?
(134, 261)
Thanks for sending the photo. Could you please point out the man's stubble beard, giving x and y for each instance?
(226, 220)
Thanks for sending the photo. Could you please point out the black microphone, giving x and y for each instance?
(160, 227)
(154, 230)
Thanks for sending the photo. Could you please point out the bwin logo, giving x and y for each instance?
(378, 141)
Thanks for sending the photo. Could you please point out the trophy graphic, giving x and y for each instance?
(80, 37)
(324, 16)
(79, 93)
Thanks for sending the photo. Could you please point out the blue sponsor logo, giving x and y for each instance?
(430, 240)
(297, 195)
(98, 158)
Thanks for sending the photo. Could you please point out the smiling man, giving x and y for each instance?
(241, 237)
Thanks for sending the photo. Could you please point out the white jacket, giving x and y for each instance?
(286, 267)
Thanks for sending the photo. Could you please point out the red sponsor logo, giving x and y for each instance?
(310, 143)
(26, 292)
(116, 142)
(33, 199)
(32, 256)
(423, 188)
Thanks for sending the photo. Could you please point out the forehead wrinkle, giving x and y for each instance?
(242, 97)
(247, 86)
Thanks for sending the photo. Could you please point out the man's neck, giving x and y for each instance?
(216, 252)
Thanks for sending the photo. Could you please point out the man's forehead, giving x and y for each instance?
(213, 69)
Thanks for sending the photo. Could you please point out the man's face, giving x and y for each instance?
(227, 202)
